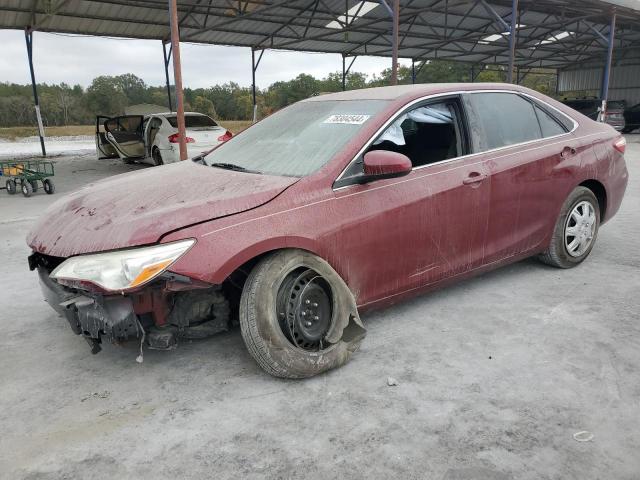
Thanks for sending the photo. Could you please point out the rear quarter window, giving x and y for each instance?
(549, 125)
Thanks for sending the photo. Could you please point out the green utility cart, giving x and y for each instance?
(27, 174)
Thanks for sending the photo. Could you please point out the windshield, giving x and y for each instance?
(193, 121)
(299, 139)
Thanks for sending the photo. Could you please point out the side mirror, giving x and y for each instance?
(379, 164)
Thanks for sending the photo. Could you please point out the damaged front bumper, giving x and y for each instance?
(93, 317)
(158, 314)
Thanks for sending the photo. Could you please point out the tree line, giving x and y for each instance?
(62, 104)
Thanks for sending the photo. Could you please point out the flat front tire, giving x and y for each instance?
(576, 230)
(297, 316)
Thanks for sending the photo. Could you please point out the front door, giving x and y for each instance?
(125, 134)
(409, 232)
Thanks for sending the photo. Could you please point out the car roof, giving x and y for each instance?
(407, 92)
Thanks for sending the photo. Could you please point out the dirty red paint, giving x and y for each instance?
(388, 239)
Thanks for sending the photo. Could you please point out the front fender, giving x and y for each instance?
(213, 260)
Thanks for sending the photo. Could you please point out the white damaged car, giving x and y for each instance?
(154, 138)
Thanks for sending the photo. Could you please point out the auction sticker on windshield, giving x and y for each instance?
(348, 119)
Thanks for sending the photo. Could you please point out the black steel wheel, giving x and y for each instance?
(27, 189)
(11, 186)
(48, 186)
(305, 309)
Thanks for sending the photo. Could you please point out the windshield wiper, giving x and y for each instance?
(235, 168)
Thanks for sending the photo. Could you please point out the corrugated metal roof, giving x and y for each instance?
(453, 29)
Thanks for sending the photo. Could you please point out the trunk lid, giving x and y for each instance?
(205, 137)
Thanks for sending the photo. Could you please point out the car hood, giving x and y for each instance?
(139, 208)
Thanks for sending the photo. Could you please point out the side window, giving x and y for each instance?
(549, 125)
(426, 134)
(506, 118)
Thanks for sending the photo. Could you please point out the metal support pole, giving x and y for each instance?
(604, 94)
(394, 42)
(413, 70)
(28, 36)
(254, 68)
(512, 39)
(177, 75)
(346, 69)
(167, 59)
(473, 73)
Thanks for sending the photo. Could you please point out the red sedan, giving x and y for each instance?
(334, 205)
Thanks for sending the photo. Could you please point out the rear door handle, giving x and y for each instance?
(566, 151)
(474, 177)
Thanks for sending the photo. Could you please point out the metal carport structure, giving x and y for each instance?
(521, 34)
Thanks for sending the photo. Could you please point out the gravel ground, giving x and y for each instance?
(494, 377)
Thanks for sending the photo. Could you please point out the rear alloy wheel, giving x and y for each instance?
(297, 316)
(27, 189)
(157, 157)
(576, 230)
(11, 187)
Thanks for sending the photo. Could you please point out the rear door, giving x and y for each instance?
(523, 145)
(103, 148)
(125, 134)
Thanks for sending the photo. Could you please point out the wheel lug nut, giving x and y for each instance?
(307, 302)
(308, 324)
(304, 314)
(316, 317)
(315, 304)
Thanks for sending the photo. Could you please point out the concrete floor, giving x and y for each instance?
(495, 375)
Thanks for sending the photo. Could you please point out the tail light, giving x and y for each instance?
(175, 138)
(620, 144)
(227, 136)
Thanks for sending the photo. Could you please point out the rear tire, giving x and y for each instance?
(48, 186)
(323, 337)
(576, 230)
(627, 130)
(157, 157)
(27, 189)
(11, 187)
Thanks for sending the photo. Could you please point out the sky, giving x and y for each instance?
(78, 59)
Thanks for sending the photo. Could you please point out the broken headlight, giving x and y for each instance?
(124, 269)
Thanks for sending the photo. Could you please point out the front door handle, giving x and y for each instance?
(474, 177)
(566, 151)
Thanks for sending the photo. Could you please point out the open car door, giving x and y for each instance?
(103, 148)
(125, 134)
